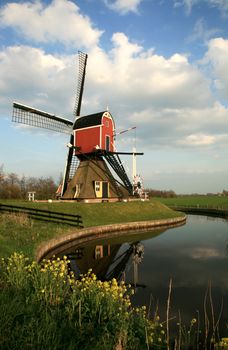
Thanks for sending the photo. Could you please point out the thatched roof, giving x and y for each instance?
(87, 173)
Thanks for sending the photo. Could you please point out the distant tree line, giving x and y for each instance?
(161, 193)
(13, 186)
(172, 194)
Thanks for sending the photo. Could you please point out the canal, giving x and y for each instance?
(194, 256)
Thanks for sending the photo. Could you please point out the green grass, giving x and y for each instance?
(18, 233)
(202, 201)
(106, 213)
(45, 307)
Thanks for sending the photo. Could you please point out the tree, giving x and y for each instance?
(13, 179)
(160, 193)
(14, 187)
(2, 175)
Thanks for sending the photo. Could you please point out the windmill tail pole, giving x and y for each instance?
(134, 165)
(134, 169)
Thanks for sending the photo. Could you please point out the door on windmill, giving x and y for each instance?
(107, 143)
(104, 189)
(101, 189)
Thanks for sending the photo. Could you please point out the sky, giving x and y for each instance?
(159, 65)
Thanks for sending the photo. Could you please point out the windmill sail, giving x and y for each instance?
(33, 117)
(70, 163)
(81, 80)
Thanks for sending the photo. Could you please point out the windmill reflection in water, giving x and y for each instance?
(108, 262)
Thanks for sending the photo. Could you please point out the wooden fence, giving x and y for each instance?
(44, 215)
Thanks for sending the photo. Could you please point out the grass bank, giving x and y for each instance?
(216, 202)
(19, 233)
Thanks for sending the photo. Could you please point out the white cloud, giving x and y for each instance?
(36, 78)
(198, 140)
(222, 5)
(187, 4)
(123, 6)
(183, 127)
(60, 21)
(217, 57)
(136, 80)
(201, 32)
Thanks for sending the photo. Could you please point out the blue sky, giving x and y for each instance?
(160, 65)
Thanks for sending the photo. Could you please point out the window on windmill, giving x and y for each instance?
(106, 250)
(77, 190)
(107, 123)
(97, 186)
(98, 252)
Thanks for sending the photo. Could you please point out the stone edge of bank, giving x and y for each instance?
(99, 231)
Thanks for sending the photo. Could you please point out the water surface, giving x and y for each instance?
(193, 256)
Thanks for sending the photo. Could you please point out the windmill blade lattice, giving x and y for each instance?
(81, 80)
(72, 165)
(33, 117)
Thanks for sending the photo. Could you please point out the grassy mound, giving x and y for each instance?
(20, 233)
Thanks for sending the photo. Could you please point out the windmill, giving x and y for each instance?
(91, 150)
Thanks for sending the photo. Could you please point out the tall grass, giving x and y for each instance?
(18, 232)
(44, 307)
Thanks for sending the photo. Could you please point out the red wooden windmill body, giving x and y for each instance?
(94, 132)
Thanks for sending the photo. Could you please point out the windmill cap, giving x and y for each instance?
(90, 120)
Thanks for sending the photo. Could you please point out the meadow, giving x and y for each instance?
(204, 201)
